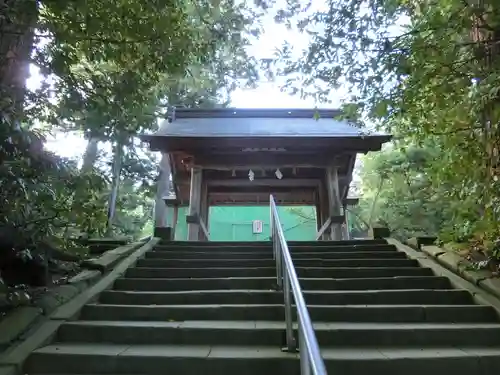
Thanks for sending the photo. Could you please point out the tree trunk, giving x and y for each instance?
(117, 168)
(16, 43)
(90, 156)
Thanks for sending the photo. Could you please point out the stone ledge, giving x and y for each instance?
(462, 267)
(433, 251)
(70, 310)
(480, 295)
(418, 242)
(40, 336)
(85, 277)
(110, 258)
(17, 322)
(452, 261)
(379, 232)
(21, 319)
(476, 277)
(56, 297)
(62, 294)
(492, 285)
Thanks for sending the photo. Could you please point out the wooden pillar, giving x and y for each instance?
(335, 205)
(194, 204)
(318, 216)
(345, 226)
(162, 191)
(323, 208)
(175, 217)
(204, 209)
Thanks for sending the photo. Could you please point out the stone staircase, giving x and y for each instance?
(210, 308)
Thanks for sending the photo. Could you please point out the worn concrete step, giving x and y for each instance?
(223, 297)
(247, 360)
(353, 313)
(155, 359)
(317, 272)
(271, 333)
(200, 254)
(236, 244)
(263, 253)
(229, 263)
(398, 282)
(293, 248)
(244, 256)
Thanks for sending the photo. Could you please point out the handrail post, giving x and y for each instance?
(305, 365)
(271, 229)
(310, 355)
(290, 339)
(279, 264)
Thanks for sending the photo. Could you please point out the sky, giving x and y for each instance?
(266, 95)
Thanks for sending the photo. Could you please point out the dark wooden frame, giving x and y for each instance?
(317, 170)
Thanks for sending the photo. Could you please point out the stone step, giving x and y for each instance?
(268, 255)
(356, 313)
(399, 282)
(248, 248)
(244, 360)
(223, 297)
(316, 272)
(236, 244)
(249, 333)
(229, 263)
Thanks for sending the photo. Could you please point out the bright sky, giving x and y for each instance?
(266, 95)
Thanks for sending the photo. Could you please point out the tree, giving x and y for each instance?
(114, 64)
(118, 104)
(428, 72)
(397, 190)
(111, 68)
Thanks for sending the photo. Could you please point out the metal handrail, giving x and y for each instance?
(311, 361)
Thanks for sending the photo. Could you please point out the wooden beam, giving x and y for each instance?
(204, 209)
(171, 201)
(163, 187)
(332, 220)
(194, 202)
(323, 229)
(265, 160)
(350, 168)
(323, 205)
(238, 166)
(346, 234)
(174, 220)
(174, 172)
(198, 220)
(351, 201)
(295, 198)
(357, 144)
(317, 208)
(238, 181)
(289, 182)
(204, 229)
(255, 203)
(334, 202)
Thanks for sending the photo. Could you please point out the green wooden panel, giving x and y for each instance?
(235, 223)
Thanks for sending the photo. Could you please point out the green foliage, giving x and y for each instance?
(134, 208)
(427, 71)
(116, 61)
(398, 191)
(37, 191)
(111, 69)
